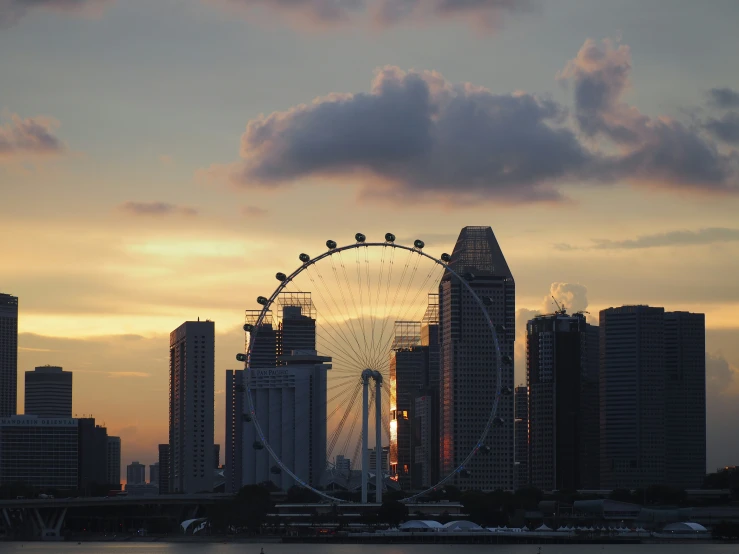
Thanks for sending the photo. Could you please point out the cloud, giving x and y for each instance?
(650, 150)
(724, 97)
(313, 11)
(416, 136)
(709, 235)
(726, 128)
(32, 136)
(156, 209)
(484, 13)
(13, 10)
(253, 211)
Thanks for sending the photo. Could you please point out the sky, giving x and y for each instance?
(160, 161)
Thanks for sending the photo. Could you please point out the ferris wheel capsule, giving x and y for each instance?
(262, 300)
(241, 357)
(389, 237)
(419, 244)
(305, 258)
(331, 244)
(360, 237)
(446, 258)
(248, 327)
(281, 276)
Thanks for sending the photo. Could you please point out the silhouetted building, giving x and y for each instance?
(48, 392)
(590, 409)
(685, 417)
(136, 474)
(290, 404)
(557, 372)
(8, 354)
(114, 461)
(235, 419)
(521, 430)
(216, 456)
(297, 329)
(192, 368)
(384, 461)
(469, 364)
(343, 465)
(264, 353)
(39, 452)
(93, 454)
(632, 397)
(164, 458)
(154, 474)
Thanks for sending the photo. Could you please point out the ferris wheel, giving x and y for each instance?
(343, 372)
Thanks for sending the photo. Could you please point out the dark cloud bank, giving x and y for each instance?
(416, 135)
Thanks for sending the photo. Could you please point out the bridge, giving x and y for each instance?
(44, 517)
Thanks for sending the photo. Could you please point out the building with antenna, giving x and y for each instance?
(468, 363)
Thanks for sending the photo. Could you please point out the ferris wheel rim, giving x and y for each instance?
(266, 305)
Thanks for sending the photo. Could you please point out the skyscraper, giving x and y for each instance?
(265, 347)
(8, 354)
(93, 455)
(557, 373)
(632, 397)
(154, 474)
(235, 420)
(468, 362)
(685, 417)
(191, 374)
(521, 430)
(590, 409)
(114, 461)
(135, 474)
(290, 404)
(48, 392)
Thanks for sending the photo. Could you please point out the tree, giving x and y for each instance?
(251, 506)
(392, 512)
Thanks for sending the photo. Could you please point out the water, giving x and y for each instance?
(272, 548)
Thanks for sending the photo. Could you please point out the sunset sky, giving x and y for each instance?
(161, 160)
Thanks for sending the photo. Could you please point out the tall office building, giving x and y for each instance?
(685, 416)
(265, 347)
(632, 397)
(384, 460)
(590, 409)
(8, 354)
(154, 474)
(290, 404)
(164, 457)
(191, 374)
(216, 456)
(93, 456)
(114, 461)
(39, 452)
(521, 431)
(557, 372)
(297, 328)
(468, 361)
(235, 420)
(343, 465)
(135, 474)
(49, 392)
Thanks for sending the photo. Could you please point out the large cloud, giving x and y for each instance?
(725, 128)
(322, 11)
(417, 136)
(12, 10)
(29, 137)
(650, 150)
(724, 97)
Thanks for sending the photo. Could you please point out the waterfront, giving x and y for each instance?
(276, 548)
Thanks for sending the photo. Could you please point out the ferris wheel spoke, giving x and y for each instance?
(339, 283)
(344, 417)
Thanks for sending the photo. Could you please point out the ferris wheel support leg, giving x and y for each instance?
(365, 432)
(378, 439)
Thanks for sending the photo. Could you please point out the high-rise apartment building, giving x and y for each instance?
(93, 456)
(154, 474)
(136, 474)
(557, 372)
(521, 431)
(235, 419)
(685, 399)
(48, 392)
(290, 404)
(114, 461)
(191, 372)
(632, 397)
(468, 361)
(164, 458)
(590, 409)
(8, 354)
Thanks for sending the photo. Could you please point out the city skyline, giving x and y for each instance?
(127, 208)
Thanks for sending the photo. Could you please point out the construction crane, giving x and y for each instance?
(561, 310)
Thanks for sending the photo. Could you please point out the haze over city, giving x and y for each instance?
(160, 161)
